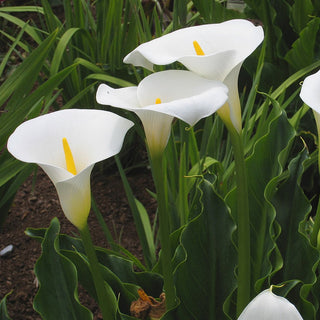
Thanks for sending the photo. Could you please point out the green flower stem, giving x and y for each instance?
(243, 219)
(104, 293)
(316, 227)
(164, 229)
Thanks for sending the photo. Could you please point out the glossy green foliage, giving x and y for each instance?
(116, 270)
(291, 29)
(293, 245)
(200, 169)
(205, 277)
(57, 295)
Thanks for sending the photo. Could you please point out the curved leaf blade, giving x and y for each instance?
(292, 209)
(3, 309)
(205, 280)
(57, 296)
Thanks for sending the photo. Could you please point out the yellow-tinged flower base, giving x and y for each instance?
(76, 203)
(224, 114)
(82, 208)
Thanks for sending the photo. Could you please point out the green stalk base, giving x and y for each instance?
(103, 290)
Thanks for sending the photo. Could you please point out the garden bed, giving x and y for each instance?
(35, 206)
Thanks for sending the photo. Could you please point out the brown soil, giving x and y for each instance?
(35, 206)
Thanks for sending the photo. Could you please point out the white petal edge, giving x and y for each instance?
(183, 95)
(310, 91)
(238, 34)
(214, 66)
(268, 306)
(93, 135)
(124, 98)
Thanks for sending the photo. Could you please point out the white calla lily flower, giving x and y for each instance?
(268, 306)
(310, 94)
(66, 144)
(214, 51)
(163, 96)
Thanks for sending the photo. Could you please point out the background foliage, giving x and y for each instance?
(56, 59)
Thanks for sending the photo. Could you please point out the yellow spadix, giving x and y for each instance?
(198, 49)
(71, 167)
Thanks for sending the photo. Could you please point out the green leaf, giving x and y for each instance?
(292, 209)
(110, 79)
(141, 220)
(199, 168)
(125, 292)
(266, 162)
(13, 39)
(26, 74)
(60, 49)
(22, 9)
(205, 280)
(302, 52)
(78, 97)
(9, 167)
(116, 270)
(12, 47)
(267, 11)
(281, 90)
(57, 296)
(9, 120)
(51, 20)
(215, 11)
(270, 154)
(179, 14)
(31, 31)
(300, 14)
(12, 186)
(3, 308)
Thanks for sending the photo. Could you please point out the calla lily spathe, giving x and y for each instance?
(268, 306)
(93, 135)
(310, 94)
(225, 46)
(164, 95)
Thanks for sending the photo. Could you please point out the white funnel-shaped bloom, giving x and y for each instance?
(92, 136)
(268, 306)
(214, 51)
(163, 96)
(310, 93)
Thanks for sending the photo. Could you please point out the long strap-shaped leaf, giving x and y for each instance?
(14, 116)
(26, 74)
(141, 220)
